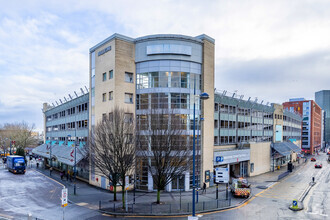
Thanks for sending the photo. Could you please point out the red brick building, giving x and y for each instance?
(312, 123)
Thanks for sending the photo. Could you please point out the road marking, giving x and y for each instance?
(49, 177)
(82, 203)
(313, 213)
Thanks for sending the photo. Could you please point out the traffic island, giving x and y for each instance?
(297, 206)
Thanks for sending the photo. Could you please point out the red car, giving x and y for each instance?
(318, 165)
(313, 159)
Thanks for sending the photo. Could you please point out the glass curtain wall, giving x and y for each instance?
(167, 84)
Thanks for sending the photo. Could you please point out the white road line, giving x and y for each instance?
(270, 184)
(313, 213)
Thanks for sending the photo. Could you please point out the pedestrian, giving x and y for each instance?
(37, 165)
(67, 175)
(51, 170)
(61, 174)
(204, 188)
(71, 174)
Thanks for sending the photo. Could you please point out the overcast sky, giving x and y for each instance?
(273, 50)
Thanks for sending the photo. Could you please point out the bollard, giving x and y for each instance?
(217, 192)
(313, 179)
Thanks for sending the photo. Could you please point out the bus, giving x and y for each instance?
(16, 164)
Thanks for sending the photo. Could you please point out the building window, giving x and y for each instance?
(110, 74)
(104, 117)
(111, 95)
(129, 77)
(128, 117)
(128, 98)
(252, 168)
(104, 77)
(104, 97)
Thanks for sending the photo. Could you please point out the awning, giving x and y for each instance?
(281, 148)
(63, 153)
(293, 147)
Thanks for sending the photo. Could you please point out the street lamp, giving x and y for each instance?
(202, 97)
(74, 167)
(50, 158)
(198, 149)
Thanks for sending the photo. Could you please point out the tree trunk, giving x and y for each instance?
(123, 194)
(158, 196)
(115, 192)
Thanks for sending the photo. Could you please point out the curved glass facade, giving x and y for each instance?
(168, 85)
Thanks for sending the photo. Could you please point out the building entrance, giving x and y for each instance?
(178, 183)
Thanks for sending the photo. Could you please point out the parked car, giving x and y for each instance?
(318, 165)
(313, 159)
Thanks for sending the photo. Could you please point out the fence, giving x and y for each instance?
(171, 208)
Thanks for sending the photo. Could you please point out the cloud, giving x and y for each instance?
(274, 49)
(279, 79)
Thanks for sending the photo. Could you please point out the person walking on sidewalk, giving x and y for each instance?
(67, 175)
(61, 174)
(204, 188)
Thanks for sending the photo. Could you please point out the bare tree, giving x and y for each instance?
(164, 147)
(21, 133)
(112, 148)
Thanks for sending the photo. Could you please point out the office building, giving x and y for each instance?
(312, 122)
(158, 70)
(252, 138)
(322, 98)
(66, 130)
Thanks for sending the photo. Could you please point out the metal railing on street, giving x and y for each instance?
(163, 209)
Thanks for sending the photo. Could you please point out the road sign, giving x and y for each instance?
(126, 182)
(219, 159)
(222, 175)
(294, 204)
(64, 197)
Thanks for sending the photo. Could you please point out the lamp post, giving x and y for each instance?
(198, 149)
(75, 166)
(50, 159)
(202, 96)
(10, 147)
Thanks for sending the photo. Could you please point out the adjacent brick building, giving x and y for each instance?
(312, 122)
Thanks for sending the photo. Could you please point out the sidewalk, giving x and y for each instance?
(90, 196)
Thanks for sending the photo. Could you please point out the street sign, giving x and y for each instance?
(219, 159)
(126, 182)
(64, 197)
(221, 174)
(294, 203)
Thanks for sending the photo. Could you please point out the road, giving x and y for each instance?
(36, 194)
(273, 202)
(39, 195)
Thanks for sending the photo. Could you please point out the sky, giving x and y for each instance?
(272, 50)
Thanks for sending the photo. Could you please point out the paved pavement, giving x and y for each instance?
(89, 196)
